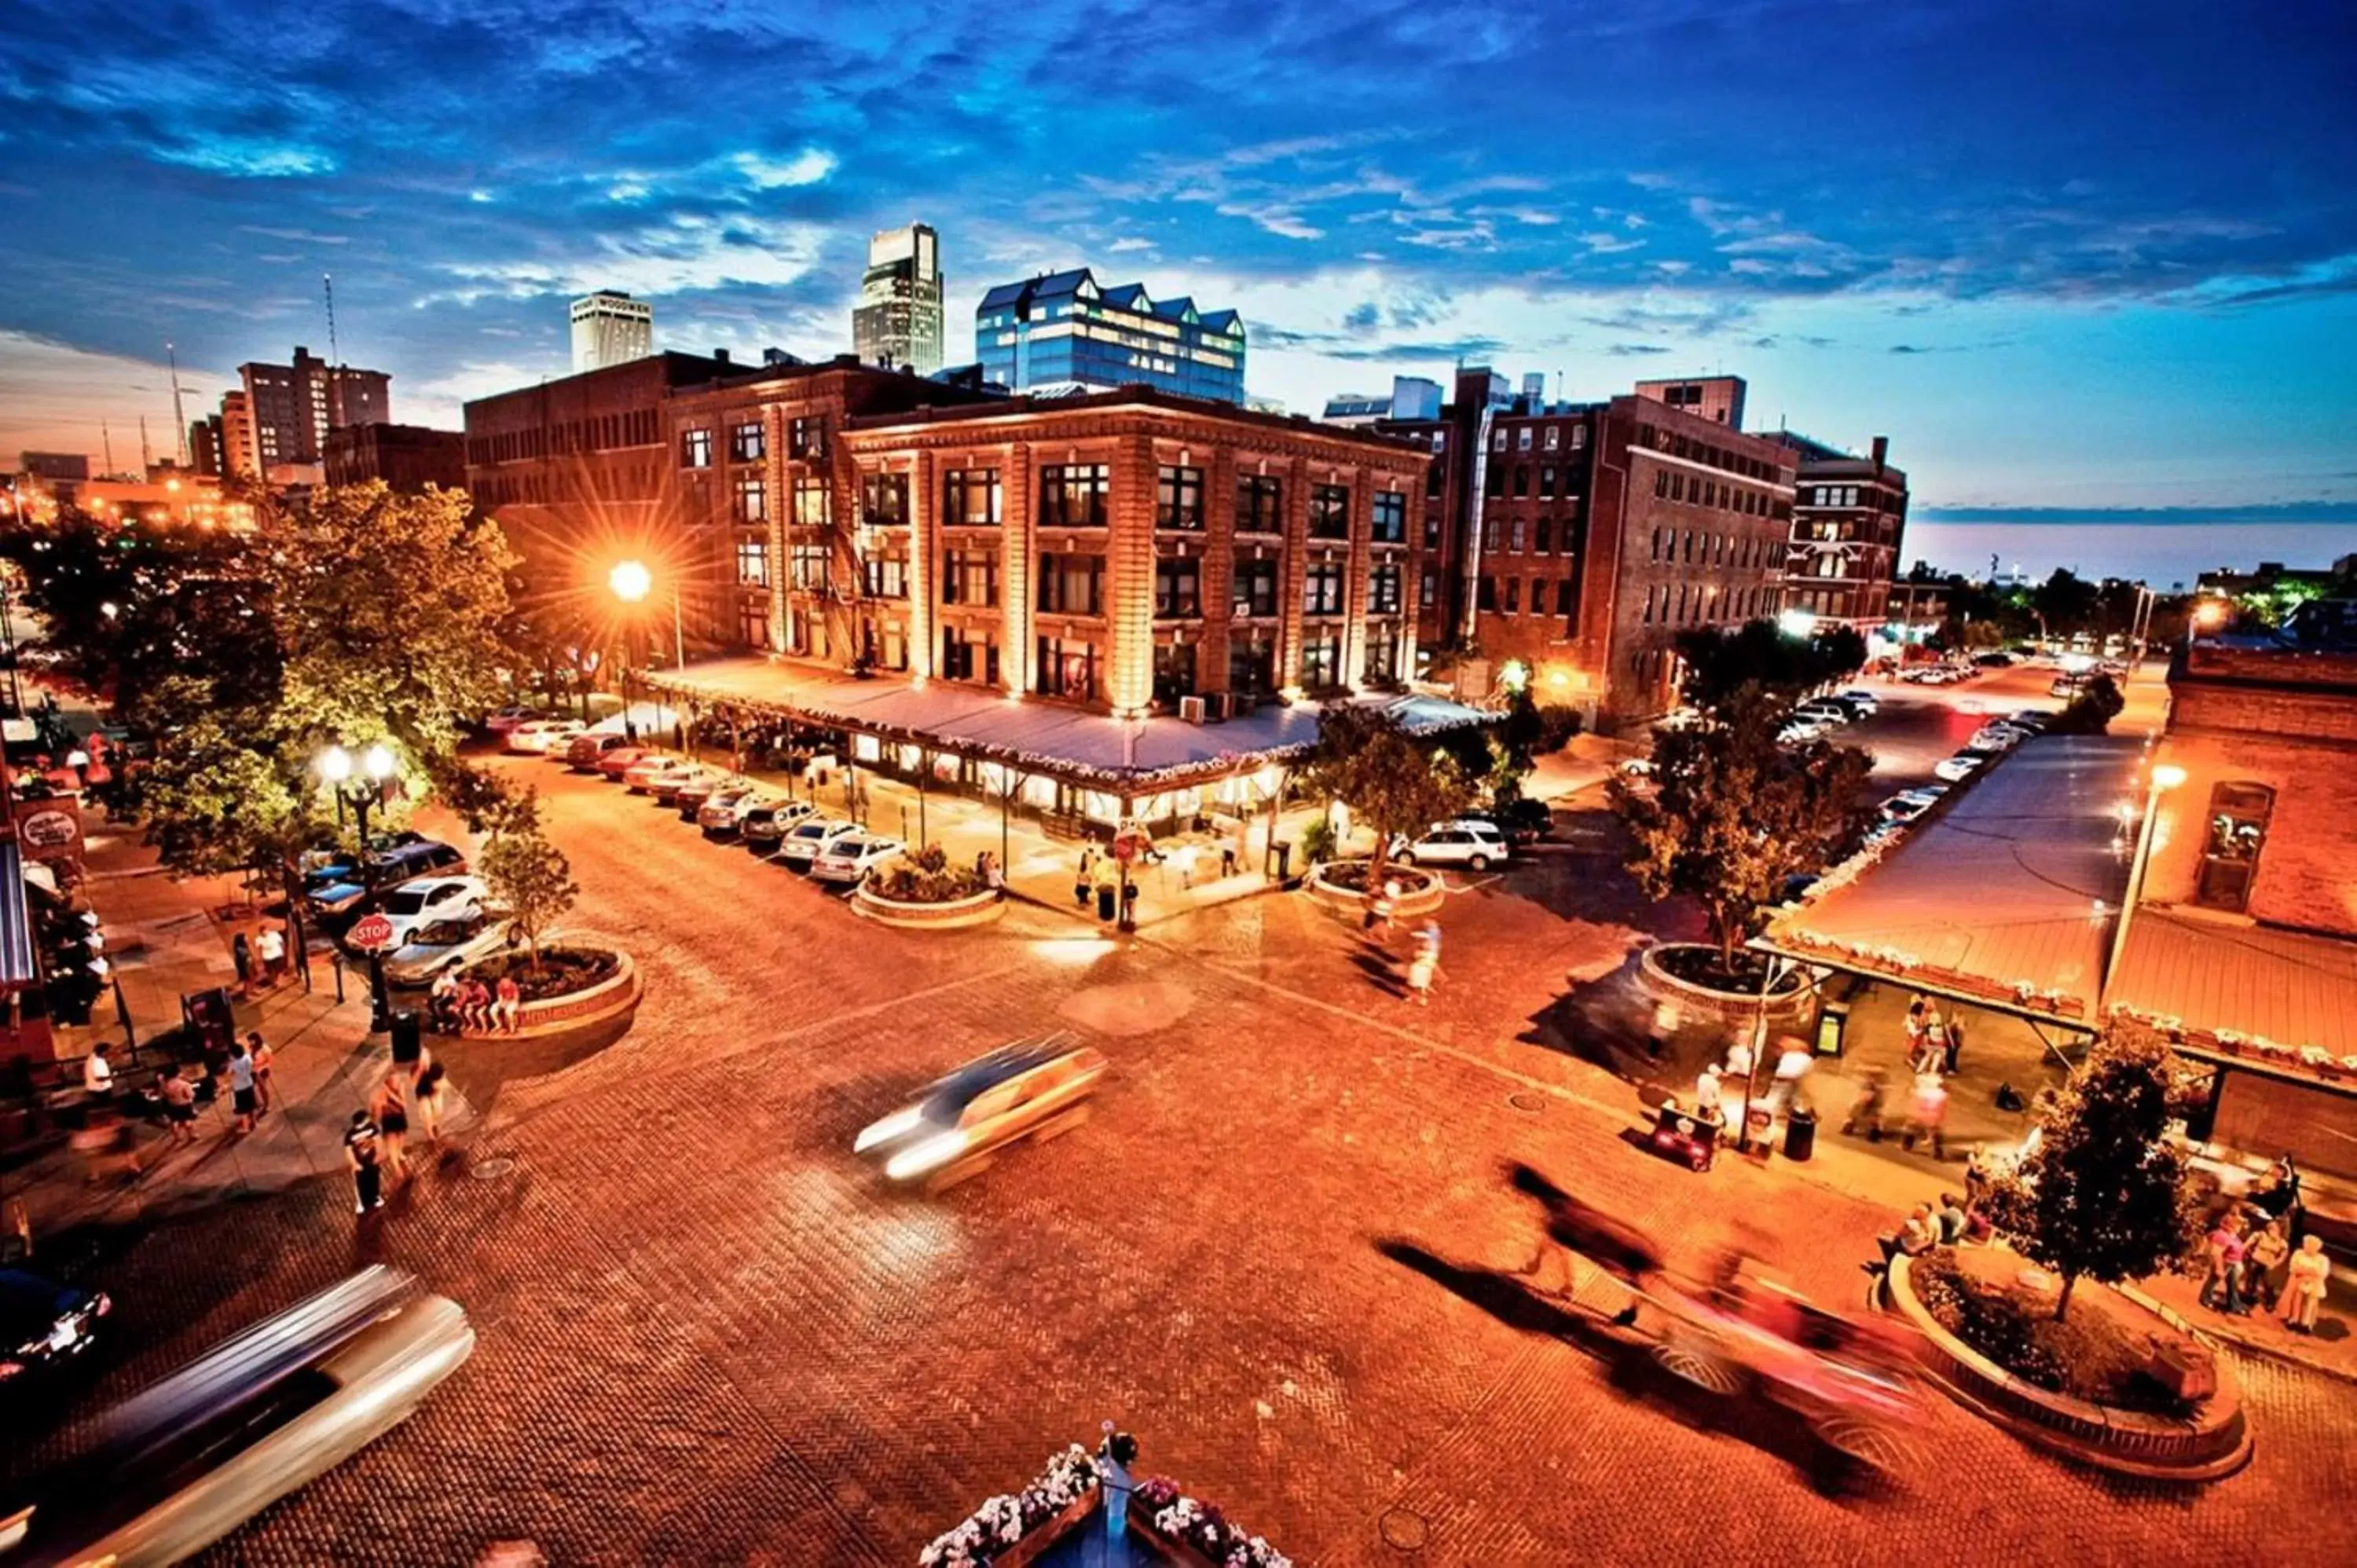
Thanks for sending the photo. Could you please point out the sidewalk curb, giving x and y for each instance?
(2248, 1343)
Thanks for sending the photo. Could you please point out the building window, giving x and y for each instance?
(806, 439)
(2230, 855)
(1320, 657)
(1494, 485)
(1322, 589)
(812, 507)
(753, 563)
(1523, 439)
(811, 567)
(1260, 504)
(887, 577)
(968, 655)
(1545, 540)
(1498, 439)
(1432, 530)
(884, 499)
(1554, 436)
(753, 623)
(970, 498)
(1256, 586)
(1179, 588)
(1427, 591)
(1517, 534)
(1068, 668)
(752, 502)
(1522, 479)
(1432, 479)
(1174, 672)
(1513, 596)
(1485, 596)
(970, 577)
(695, 448)
(1073, 496)
(1384, 590)
(1562, 596)
(1252, 666)
(1330, 512)
(1383, 656)
(1071, 584)
(1661, 482)
(1546, 479)
(747, 443)
(1178, 498)
(1391, 517)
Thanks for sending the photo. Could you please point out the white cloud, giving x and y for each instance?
(1284, 222)
(808, 167)
(54, 396)
(686, 254)
(441, 401)
(1609, 245)
(1130, 242)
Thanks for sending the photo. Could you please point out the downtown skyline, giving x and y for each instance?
(2062, 265)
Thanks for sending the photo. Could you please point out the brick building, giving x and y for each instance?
(408, 457)
(1126, 549)
(1579, 539)
(1849, 515)
(1719, 399)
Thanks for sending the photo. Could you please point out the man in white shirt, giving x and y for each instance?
(97, 1073)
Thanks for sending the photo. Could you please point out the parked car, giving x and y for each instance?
(1474, 844)
(1959, 767)
(665, 787)
(43, 1323)
(614, 765)
(638, 777)
(450, 943)
(850, 857)
(762, 827)
(2034, 720)
(1824, 711)
(185, 1461)
(1800, 732)
(506, 719)
(801, 844)
(1994, 660)
(1859, 701)
(950, 1128)
(324, 865)
(395, 867)
(724, 810)
(538, 737)
(586, 750)
(430, 898)
(1904, 807)
(690, 797)
(1996, 736)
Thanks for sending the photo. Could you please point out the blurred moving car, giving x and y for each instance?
(849, 858)
(1034, 1089)
(764, 826)
(505, 719)
(584, 752)
(1957, 769)
(690, 798)
(449, 943)
(665, 787)
(614, 765)
(723, 814)
(1474, 844)
(181, 1464)
(640, 777)
(800, 847)
(43, 1323)
(538, 737)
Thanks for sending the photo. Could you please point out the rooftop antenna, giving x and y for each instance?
(328, 282)
(146, 453)
(179, 416)
(106, 444)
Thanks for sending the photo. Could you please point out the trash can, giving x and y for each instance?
(1106, 897)
(1799, 1134)
(408, 1039)
(1282, 850)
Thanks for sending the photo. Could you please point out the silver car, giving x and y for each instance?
(449, 944)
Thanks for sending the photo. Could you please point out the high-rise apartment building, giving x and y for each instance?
(1848, 515)
(293, 406)
(898, 323)
(611, 328)
(1061, 329)
(205, 445)
(238, 455)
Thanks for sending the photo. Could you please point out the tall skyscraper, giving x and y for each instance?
(239, 458)
(294, 406)
(1062, 330)
(898, 321)
(611, 328)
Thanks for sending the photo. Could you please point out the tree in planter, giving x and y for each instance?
(2103, 1196)
(2091, 711)
(528, 874)
(1731, 814)
(1392, 782)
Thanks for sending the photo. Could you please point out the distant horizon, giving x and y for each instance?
(2167, 552)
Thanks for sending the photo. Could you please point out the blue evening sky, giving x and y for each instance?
(2065, 253)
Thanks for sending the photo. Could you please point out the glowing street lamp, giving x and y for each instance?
(361, 784)
(631, 582)
(2166, 776)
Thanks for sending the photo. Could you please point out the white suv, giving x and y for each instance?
(1477, 846)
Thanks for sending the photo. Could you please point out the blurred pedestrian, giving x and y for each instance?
(1710, 1095)
(2222, 1288)
(507, 1008)
(179, 1105)
(1955, 1051)
(98, 1074)
(1664, 1028)
(1116, 1454)
(240, 1087)
(272, 949)
(2266, 1253)
(1422, 969)
(474, 1007)
(264, 1064)
(389, 1111)
(2310, 1270)
(1185, 857)
(1083, 882)
(1927, 1115)
(241, 954)
(1227, 858)
(427, 1100)
(1866, 1113)
(366, 1161)
(1793, 1062)
(1950, 1220)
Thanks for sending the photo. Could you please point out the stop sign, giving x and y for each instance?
(371, 932)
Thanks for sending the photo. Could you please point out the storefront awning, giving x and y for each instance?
(2269, 998)
(2005, 897)
(16, 966)
(1093, 749)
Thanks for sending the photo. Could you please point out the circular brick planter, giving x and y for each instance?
(1732, 1006)
(958, 914)
(616, 996)
(1421, 892)
(2212, 1443)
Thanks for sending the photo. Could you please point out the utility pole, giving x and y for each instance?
(106, 444)
(146, 453)
(179, 414)
(335, 356)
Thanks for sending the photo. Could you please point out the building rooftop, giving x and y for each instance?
(1070, 397)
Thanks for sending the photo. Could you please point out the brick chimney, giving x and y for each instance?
(1882, 454)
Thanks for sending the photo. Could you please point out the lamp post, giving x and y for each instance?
(2167, 775)
(362, 788)
(631, 583)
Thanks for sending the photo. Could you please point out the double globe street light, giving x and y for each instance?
(361, 787)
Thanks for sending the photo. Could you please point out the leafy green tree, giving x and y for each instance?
(2102, 1194)
(2067, 601)
(2091, 711)
(1760, 653)
(1394, 783)
(527, 873)
(1731, 814)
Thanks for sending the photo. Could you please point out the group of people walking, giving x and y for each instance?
(408, 1099)
(2251, 1255)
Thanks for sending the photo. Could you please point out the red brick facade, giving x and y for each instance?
(1849, 517)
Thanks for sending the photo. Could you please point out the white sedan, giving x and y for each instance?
(850, 857)
(1959, 767)
(806, 840)
(432, 898)
(538, 737)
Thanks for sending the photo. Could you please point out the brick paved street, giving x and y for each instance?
(708, 1335)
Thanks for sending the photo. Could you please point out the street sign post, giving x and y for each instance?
(372, 933)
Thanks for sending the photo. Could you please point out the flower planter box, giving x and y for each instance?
(1787, 1007)
(957, 913)
(615, 997)
(1421, 891)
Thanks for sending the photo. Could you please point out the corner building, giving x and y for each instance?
(1125, 552)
